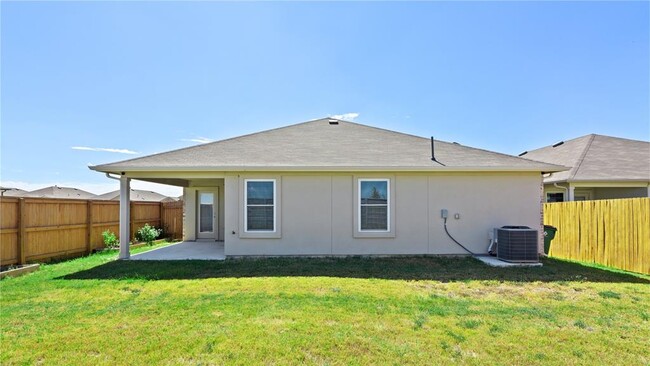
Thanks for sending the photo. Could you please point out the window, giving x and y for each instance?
(374, 210)
(555, 197)
(259, 197)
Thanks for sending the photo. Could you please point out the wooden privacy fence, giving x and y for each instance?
(38, 229)
(172, 218)
(613, 233)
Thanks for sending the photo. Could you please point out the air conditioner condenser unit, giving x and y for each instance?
(517, 244)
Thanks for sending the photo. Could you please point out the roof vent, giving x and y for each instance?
(523, 153)
(455, 143)
(558, 144)
(333, 122)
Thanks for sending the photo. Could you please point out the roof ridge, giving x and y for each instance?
(582, 157)
(590, 135)
(617, 137)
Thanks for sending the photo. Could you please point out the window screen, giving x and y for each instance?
(373, 205)
(260, 205)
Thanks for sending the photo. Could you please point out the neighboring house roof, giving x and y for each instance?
(12, 192)
(326, 144)
(136, 195)
(597, 158)
(61, 192)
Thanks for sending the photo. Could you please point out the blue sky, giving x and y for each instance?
(148, 77)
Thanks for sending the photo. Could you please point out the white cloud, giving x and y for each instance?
(346, 116)
(104, 149)
(97, 188)
(200, 140)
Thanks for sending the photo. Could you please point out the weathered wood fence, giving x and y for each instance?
(613, 233)
(38, 229)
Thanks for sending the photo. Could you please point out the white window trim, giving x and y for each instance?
(388, 212)
(275, 206)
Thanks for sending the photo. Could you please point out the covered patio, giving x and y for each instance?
(200, 249)
(203, 216)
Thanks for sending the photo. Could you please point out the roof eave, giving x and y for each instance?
(116, 169)
(597, 181)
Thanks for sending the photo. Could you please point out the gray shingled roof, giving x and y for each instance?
(320, 145)
(61, 192)
(12, 192)
(597, 158)
(136, 195)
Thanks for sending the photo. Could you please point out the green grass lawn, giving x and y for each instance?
(416, 310)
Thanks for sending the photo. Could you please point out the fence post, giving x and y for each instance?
(21, 231)
(89, 223)
(162, 225)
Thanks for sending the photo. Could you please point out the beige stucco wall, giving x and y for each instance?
(317, 213)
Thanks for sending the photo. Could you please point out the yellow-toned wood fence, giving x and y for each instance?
(38, 229)
(614, 233)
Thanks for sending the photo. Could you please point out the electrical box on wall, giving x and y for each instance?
(443, 213)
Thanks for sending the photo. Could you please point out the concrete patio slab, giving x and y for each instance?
(495, 262)
(203, 250)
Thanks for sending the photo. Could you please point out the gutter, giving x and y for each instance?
(118, 169)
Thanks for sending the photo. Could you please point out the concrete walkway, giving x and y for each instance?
(206, 250)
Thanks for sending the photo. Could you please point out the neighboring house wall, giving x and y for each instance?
(608, 193)
(316, 212)
(600, 193)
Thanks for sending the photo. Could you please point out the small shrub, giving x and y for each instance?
(148, 234)
(110, 240)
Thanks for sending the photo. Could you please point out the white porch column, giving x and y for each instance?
(571, 193)
(125, 216)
